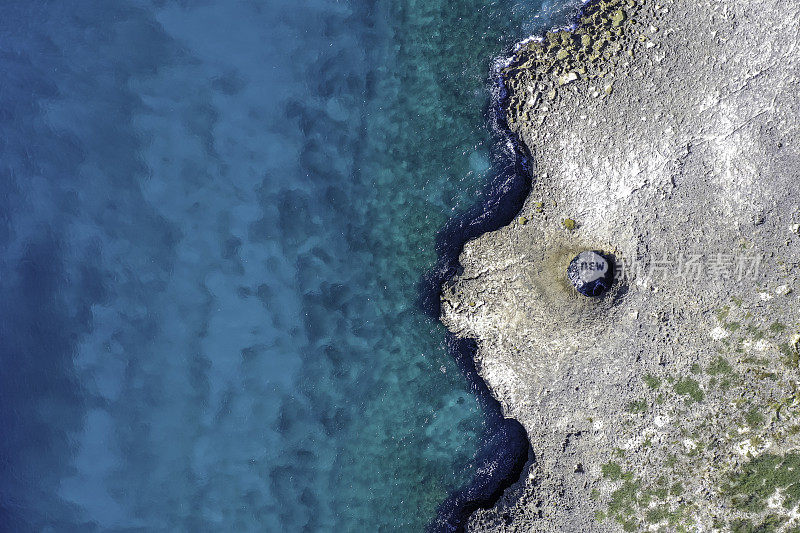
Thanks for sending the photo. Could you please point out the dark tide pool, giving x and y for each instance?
(216, 221)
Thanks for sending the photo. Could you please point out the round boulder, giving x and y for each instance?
(591, 273)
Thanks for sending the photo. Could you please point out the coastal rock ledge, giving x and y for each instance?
(664, 134)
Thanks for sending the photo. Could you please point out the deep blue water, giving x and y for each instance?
(216, 220)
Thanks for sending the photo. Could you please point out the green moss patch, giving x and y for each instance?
(777, 327)
(758, 480)
(690, 388)
(611, 470)
(651, 381)
(719, 365)
(771, 524)
(637, 407)
(754, 418)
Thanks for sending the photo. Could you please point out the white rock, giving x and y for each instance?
(569, 78)
(719, 333)
(783, 290)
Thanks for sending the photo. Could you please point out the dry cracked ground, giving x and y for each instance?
(665, 134)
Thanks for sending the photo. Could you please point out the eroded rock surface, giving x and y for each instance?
(674, 146)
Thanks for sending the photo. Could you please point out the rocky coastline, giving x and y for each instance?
(666, 134)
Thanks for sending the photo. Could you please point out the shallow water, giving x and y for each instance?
(216, 216)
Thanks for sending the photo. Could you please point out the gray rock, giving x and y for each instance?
(676, 373)
(590, 273)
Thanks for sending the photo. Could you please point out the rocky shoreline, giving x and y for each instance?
(666, 135)
(507, 451)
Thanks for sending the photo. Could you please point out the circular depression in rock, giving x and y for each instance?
(591, 273)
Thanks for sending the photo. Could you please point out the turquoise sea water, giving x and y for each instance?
(215, 219)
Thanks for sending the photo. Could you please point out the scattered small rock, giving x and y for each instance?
(783, 290)
(568, 78)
